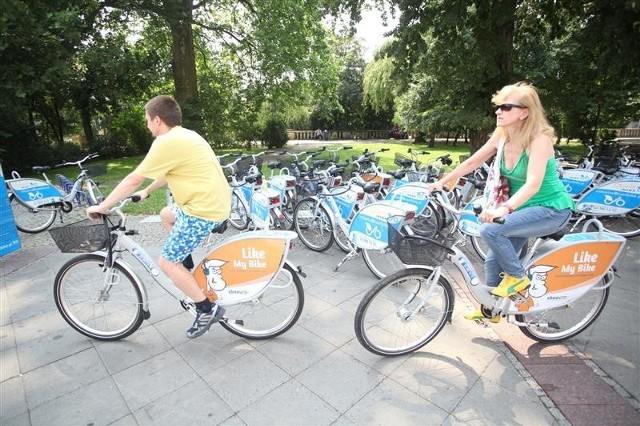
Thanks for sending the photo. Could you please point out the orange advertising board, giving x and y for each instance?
(243, 262)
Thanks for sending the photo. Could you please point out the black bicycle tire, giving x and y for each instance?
(240, 226)
(362, 327)
(236, 328)
(592, 315)
(13, 201)
(301, 230)
(64, 306)
(369, 255)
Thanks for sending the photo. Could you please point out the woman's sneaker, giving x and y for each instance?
(478, 316)
(511, 285)
(204, 320)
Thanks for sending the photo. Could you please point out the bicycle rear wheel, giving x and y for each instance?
(565, 321)
(271, 313)
(312, 222)
(626, 225)
(382, 262)
(104, 304)
(341, 239)
(95, 195)
(239, 216)
(403, 312)
(31, 220)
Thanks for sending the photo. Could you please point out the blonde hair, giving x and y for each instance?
(536, 123)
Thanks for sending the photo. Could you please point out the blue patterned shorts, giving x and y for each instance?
(185, 236)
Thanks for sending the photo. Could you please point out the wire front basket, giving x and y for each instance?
(84, 236)
(418, 250)
(97, 169)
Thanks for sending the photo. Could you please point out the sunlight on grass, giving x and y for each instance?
(119, 168)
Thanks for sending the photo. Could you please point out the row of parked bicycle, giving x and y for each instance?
(404, 233)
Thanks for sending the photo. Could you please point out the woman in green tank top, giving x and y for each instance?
(539, 203)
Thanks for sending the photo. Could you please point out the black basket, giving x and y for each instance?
(84, 236)
(418, 250)
(405, 161)
(96, 169)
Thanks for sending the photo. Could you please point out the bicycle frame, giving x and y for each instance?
(237, 270)
(37, 193)
(560, 271)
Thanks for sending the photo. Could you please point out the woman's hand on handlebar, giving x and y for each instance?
(494, 215)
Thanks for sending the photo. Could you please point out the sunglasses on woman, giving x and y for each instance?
(509, 107)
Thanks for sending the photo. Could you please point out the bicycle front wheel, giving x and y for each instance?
(31, 221)
(403, 312)
(312, 222)
(271, 313)
(341, 239)
(565, 321)
(239, 216)
(382, 262)
(95, 195)
(100, 302)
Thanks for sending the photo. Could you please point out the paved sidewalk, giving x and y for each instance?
(316, 374)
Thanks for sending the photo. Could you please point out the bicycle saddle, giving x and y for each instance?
(220, 228)
(555, 236)
(274, 164)
(398, 174)
(371, 187)
(40, 169)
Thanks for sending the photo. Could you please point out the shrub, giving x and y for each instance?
(274, 133)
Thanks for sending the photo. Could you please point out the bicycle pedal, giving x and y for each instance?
(518, 298)
(483, 323)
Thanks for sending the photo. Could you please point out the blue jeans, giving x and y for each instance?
(506, 240)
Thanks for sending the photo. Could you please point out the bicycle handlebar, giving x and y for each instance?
(79, 162)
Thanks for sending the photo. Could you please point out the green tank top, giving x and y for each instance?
(552, 192)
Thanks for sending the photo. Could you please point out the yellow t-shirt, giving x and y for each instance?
(192, 171)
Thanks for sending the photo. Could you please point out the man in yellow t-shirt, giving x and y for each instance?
(184, 161)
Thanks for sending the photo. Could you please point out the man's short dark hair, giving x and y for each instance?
(166, 108)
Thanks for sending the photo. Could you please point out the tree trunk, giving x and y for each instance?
(477, 138)
(183, 63)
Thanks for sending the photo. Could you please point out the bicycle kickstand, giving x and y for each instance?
(351, 255)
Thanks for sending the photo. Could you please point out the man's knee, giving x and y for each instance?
(167, 217)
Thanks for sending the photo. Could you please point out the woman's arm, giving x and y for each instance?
(487, 151)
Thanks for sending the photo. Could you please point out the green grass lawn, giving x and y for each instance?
(119, 168)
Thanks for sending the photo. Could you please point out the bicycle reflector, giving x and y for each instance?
(360, 196)
(274, 200)
(386, 182)
(410, 215)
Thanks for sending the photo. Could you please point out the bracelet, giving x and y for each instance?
(508, 207)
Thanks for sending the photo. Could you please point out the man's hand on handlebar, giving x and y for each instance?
(96, 212)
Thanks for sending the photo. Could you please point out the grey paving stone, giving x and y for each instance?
(340, 380)
(296, 350)
(45, 339)
(154, 378)
(144, 344)
(12, 399)
(488, 403)
(392, 404)
(333, 325)
(97, 403)
(9, 365)
(62, 377)
(244, 380)
(296, 405)
(195, 403)
(441, 380)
